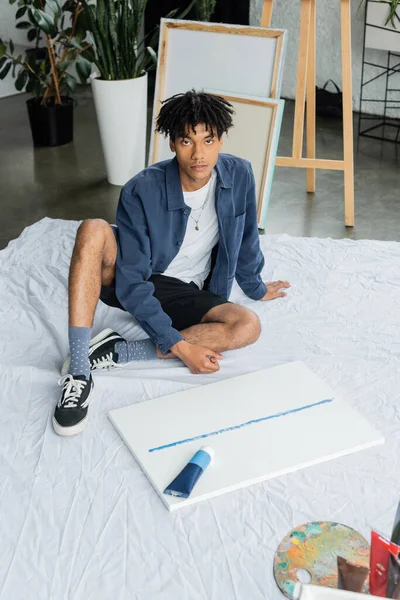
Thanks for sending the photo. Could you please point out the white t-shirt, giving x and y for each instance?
(193, 261)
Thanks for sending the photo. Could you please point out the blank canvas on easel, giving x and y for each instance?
(235, 59)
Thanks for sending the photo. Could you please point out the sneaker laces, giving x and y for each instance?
(73, 390)
(104, 362)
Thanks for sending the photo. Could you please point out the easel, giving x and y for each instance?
(305, 88)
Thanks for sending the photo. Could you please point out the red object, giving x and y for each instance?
(379, 563)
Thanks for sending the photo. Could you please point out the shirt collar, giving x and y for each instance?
(175, 198)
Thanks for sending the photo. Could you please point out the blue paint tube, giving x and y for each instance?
(184, 483)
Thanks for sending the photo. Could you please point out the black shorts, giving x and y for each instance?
(184, 303)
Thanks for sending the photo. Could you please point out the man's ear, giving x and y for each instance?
(172, 145)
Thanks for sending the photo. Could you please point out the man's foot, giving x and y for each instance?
(70, 415)
(101, 351)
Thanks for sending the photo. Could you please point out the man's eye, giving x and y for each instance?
(185, 142)
(209, 142)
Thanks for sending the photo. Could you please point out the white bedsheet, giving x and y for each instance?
(78, 518)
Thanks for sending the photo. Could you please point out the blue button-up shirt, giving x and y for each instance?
(152, 218)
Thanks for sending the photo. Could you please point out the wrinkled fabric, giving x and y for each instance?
(79, 519)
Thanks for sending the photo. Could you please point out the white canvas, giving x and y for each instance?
(234, 62)
(299, 422)
(255, 136)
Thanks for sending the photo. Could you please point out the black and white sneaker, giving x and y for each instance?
(70, 415)
(101, 352)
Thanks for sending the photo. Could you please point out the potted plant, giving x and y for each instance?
(43, 71)
(119, 87)
(382, 24)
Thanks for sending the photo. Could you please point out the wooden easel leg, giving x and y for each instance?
(310, 131)
(301, 79)
(348, 150)
(266, 15)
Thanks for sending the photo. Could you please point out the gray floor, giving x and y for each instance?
(69, 182)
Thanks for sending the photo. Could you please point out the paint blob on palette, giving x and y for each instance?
(312, 550)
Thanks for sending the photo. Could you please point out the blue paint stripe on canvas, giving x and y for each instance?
(252, 422)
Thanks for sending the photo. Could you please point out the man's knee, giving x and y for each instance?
(92, 231)
(251, 326)
(246, 324)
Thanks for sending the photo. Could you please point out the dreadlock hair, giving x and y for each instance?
(187, 110)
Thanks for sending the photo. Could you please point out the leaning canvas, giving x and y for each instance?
(235, 59)
(244, 419)
(255, 136)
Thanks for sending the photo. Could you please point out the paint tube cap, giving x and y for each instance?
(209, 451)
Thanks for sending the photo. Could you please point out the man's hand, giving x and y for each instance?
(273, 290)
(197, 358)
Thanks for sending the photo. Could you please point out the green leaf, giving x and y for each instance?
(70, 82)
(69, 5)
(84, 69)
(63, 66)
(21, 80)
(31, 17)
(45, 22)
(23, 25)
(89, 54)
(20, 12)
(30, 85)
(5, 70)
(3, 48)
(3, 61)
(75, 44)
(153, 55)
(55, 7)
(12, 1)
(11, 47)
(32, 35)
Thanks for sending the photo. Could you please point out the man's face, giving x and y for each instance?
(197, 154)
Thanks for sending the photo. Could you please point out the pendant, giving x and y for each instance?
(197, 228)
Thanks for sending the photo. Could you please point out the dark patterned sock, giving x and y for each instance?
(139, 350)
(79, 340)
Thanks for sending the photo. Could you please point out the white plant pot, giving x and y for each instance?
(121, 108)
(387, 38)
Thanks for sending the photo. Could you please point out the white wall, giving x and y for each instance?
(286, 15)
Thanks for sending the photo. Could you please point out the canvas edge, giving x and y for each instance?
(271, 164)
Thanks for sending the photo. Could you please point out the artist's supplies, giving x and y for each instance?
(312, 549)
(351, 577)
(316, 592)
(184, 483)
(379, 564)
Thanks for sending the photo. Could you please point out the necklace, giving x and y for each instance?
(201, 208)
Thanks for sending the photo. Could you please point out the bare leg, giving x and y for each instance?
(92, 264)
(224, 327)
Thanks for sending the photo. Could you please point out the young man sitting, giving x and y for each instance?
(186, 228)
